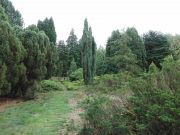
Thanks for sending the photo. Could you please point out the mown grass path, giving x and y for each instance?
(43, 116)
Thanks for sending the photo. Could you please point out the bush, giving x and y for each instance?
(76, 75)
(153, 109)
(103, 117)
(75, 85)
(156, 101)
(50, 85)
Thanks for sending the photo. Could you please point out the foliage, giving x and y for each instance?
(14, 16)
(62, 65)
(88, 46)
(152, 109)
(76, 75)
(155, 104)
(174, 42)
(100, 61)
(103, 117)
(118, 55)
(74, 50)
(157, 48)
(50, 85)
(137, 47)
(73, 66)
(74, 85)
(47, 25)
(11, 56)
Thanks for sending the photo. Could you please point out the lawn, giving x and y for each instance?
(44, 116)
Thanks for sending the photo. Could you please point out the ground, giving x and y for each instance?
(52, 113)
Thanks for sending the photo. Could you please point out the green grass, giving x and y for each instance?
(43, 116)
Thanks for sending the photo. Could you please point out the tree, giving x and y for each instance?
(88, 54)
(119, 56)
(47, 25)
(100, 61)
(157, 47)
(137, 47)
(174, 42)
(73, 66)
(62, 63)
(73, 49)
(13, 15)
(11, 56)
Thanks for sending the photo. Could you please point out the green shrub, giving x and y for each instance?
(76, 75)
(50, 85)
(75, 85)
(156, 101)
(103, 117)
(153, 109)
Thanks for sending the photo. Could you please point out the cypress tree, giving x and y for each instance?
(88, 54)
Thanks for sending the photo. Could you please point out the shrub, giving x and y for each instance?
(73, 85)
(76, 75)
(153, 109)
(103, 117)
(50, 85)
(156, 101)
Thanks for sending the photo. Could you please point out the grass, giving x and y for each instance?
(43, 116)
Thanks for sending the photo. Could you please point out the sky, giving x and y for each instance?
(103, 16)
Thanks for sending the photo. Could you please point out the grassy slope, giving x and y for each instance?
(44, 116)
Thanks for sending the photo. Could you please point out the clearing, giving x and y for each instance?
(52, 113)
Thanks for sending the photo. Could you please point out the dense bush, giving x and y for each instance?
(103, 117)
(76, 75)
(153, 109)
(50, 85)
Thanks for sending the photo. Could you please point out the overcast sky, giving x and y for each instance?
(103, 15)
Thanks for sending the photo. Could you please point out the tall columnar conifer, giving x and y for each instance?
(88, 54)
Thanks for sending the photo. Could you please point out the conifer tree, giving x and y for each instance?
(88, 54)
(47, 25)
(73, 49)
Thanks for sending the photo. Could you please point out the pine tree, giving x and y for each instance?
(88, 54)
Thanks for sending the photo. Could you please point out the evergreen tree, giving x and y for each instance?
(47, 25)
(157, 47)
(11, 56)
(119, 56)
(73, 67)
(73, 49)
(62, 64)
(174, 42)
(100, 61)
(88, 54)
(137, 47)
(13, 15)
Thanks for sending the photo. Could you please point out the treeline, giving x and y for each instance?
(29, 55)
